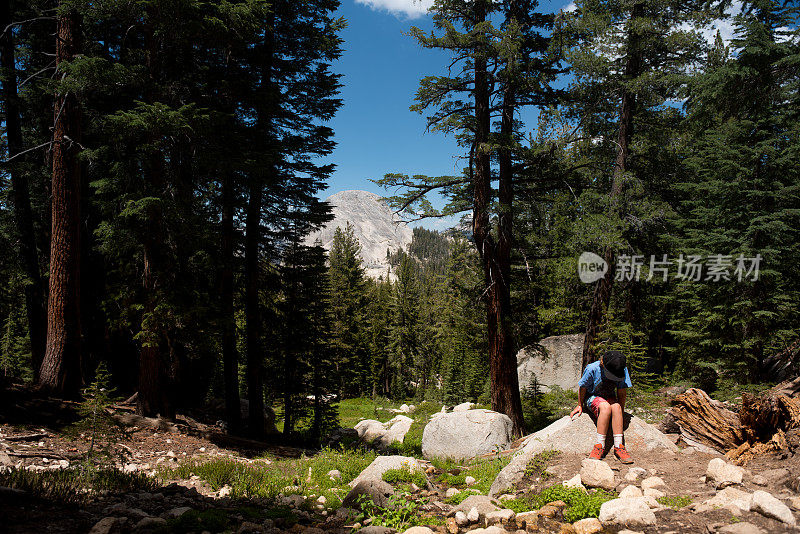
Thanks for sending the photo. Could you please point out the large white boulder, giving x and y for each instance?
(555, 361)
(577, 437)
(384, 434)
(467, 434)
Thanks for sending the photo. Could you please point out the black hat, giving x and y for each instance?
(614, 363)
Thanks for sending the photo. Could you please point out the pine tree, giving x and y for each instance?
(348, 304)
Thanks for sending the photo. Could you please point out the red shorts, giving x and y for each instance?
(594, 407)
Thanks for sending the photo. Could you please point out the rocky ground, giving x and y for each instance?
(663, 491)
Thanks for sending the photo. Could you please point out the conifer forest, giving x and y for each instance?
(630, 175)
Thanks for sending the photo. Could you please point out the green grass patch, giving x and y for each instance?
(351, 411)
(675, 502)
(458, 498)
(212, 520)
(484, 472)
(76, 484)
(453, 480)
(398, 476)
(580, 504)
(307, 476)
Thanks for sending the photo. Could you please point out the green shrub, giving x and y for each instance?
(458, 498)
(395, 476)
(401, 512)
(580, 504)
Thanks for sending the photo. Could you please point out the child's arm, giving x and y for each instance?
(581, 398)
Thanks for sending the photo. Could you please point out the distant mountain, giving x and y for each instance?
(377, 228)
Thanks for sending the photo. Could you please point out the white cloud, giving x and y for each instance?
(408, 8)
(570, 7)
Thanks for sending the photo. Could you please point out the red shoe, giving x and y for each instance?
(622, 455)
(597, 452)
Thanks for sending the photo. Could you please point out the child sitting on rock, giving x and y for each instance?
(602, 389)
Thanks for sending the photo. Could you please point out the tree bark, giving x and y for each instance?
(603, 289)
(60, 371)
(495, 257)
(154, 387)
(23, 214)
(230, 358)
(252, 246)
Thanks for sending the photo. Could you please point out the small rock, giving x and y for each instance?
(451, 492)
(107, 525)
(731, 497)
(759, 480)
(574, 482)
(654, 493)
(473, 516)
(175, 513)
(334, 474)
(635, 473)
(170, 454)
(499, 517)
(653, 482)
(597, 474)
(225, 491)
(461, 519)
(530, 520)
(794, 502)
(630, 492)
(452, 525)
(628, 512)
(469, 480)
(150, 523)
(494, 529)
(626, 531)
(248, 527)
(723, 474)
(767, 505)
(550, 511)
(590, 525)
(374, 530)
(505, 497)
(740, 528)
(418, 530)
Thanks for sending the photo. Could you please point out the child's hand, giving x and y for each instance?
(577, 411)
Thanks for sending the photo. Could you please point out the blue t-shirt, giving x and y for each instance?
(592, 380)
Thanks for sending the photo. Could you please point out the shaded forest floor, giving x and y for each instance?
(168, 477)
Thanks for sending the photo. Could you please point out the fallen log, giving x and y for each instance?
(702, 419)
(763, 416)
(790, 388)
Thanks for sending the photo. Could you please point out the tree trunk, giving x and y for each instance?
(252, 245)
(23, 215)
(602, 291)
(229, 355)
(60, 371)
(494, 257)
(154, 386)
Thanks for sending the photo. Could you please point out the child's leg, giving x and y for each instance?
(603, 416)
(616, 419)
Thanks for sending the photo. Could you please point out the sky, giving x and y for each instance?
(381, 67)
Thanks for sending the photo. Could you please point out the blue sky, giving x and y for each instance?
(375, 131)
